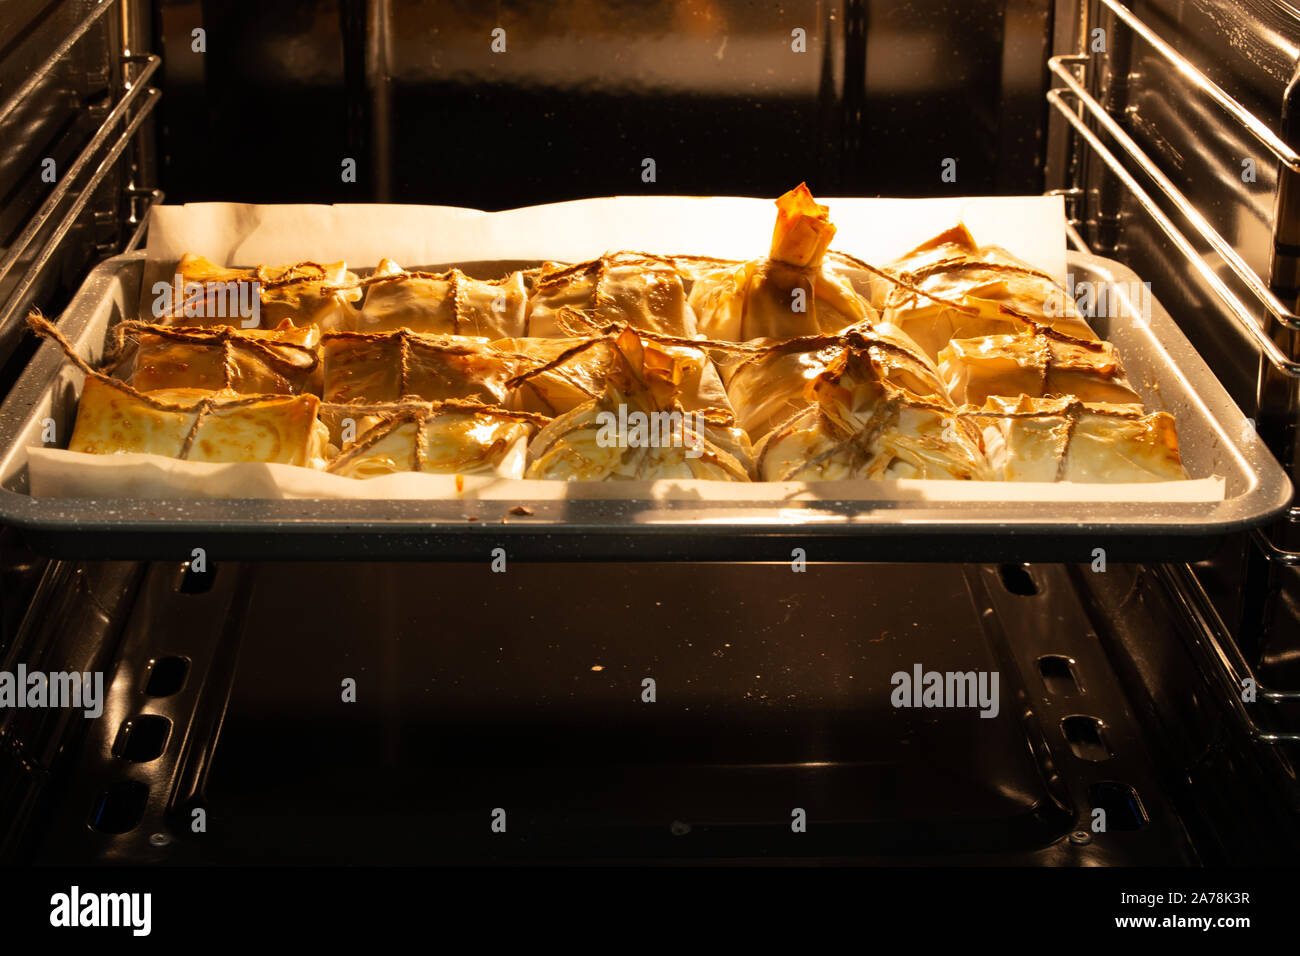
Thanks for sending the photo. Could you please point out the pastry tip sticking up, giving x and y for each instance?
(803, 230)
(648, 376)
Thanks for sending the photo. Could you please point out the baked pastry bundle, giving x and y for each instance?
(955, 361)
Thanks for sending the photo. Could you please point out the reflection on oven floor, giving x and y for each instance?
(520, 698)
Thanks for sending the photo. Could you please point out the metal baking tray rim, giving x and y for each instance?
(1258, 490)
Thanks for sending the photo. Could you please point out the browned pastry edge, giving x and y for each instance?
(702, 344)
(428, 342)
(405, 339)
(860, 438)
(713, 415)
(668, 262)
(258, 274)
(43, 327)
(861, 343)
(379, 278)
(396, 414)
(420, 412)
(425, 340)
(896, 397)
(1075, 407)
(46, 329)
(292, 274)
(453, 276)
(226, 336)
(1071, 411)
(411, 403)
(560, 276)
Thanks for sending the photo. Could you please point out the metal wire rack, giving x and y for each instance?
(135, 100)
(1092, 124)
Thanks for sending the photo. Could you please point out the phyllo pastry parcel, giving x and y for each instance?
(450, 438)
(636, 429)
(1036, 365)
(954, 361)
(284, 360)
(788, 294)
(446, 303)
(392, 366)
(876, 414)
(768, 385)
(557, 375)
(198, 425)
(952, 288)
(623, 288)
(305, 294)
(1063, 439)
(769, 382)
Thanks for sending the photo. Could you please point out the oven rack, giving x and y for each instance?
(1212, 641)
(134, 103)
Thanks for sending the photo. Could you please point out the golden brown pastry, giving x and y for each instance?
(624, 288)
(448, 303)
(956, 361)
(770, 386)
(1062, 439)
(283, 361)
(557, 375)
(1035, 365)
(786, 295)
(440, 438)
(113, 418)
(973, 292)
(636, 429)
(391, 366)
(865, 425)
(306, 293)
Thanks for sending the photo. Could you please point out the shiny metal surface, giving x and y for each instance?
(1224, 659)
(66, 71)
(1170, 125)
(40, 72)
(73, 624)
(1248, 49)
(1240, 314)
(1252, 123)
(141, 219)
(10, 320)
(121, 109)
(1184, 206)
(766, 699)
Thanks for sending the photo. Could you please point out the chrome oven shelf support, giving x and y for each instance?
(1088, 120)
(137, 98)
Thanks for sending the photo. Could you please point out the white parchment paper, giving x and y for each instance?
(876, 230)
(56, 472)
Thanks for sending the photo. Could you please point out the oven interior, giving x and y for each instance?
(524, 695)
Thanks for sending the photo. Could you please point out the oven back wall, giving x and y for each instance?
(515, 103)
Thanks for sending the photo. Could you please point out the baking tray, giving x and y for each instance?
(1215, 437)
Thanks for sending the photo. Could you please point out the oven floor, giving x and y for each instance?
(506, 717)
